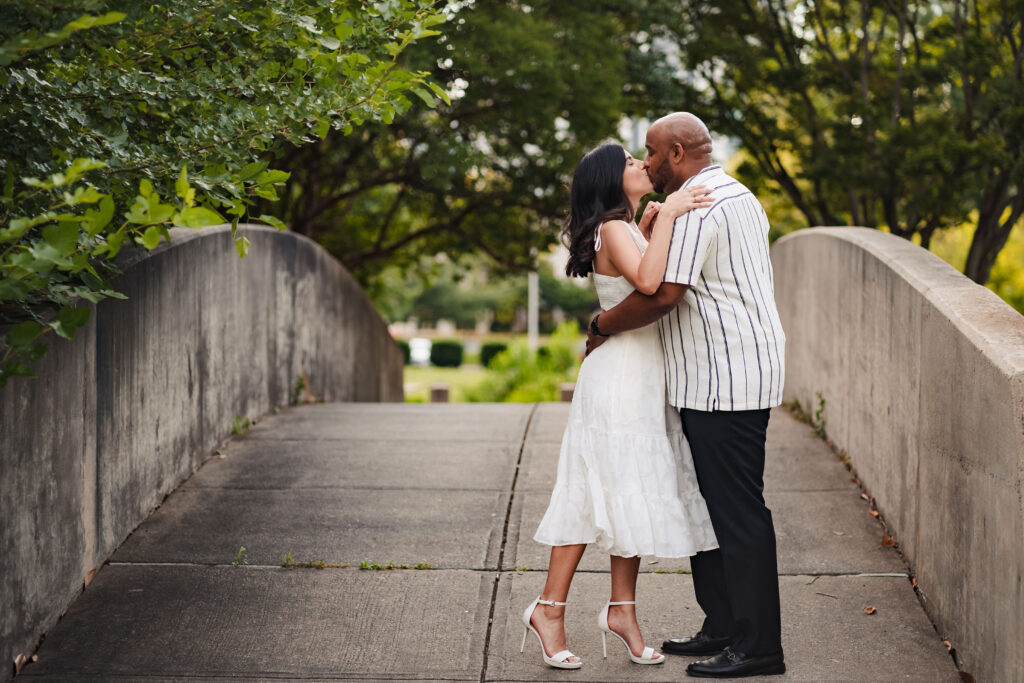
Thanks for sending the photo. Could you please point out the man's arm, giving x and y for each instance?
(635, 311)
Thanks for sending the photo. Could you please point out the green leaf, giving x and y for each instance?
(83, 195)
(77, 168)
(23, 334)
(145, 187)
(330, 42)
(63, 237)
(273, 177)
(250, 171)
(198, 217)
(68, 320)
(114, 242)
(148, 210)
(183, 189)
(97, 219)
(439, 91)
(242, 245)
(425, 96)
(151, 237)
(272, 220)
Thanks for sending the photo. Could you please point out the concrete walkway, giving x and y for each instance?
(460, 488)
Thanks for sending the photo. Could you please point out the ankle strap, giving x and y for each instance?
(624, 602)
(552, 603)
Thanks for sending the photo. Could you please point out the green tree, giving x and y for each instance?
(122, 119)
(902, 115)
(532, 87)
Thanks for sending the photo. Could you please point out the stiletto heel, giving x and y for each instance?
(557, 660)
(648, 656)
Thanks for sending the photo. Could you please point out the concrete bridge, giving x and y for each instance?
(120, 475)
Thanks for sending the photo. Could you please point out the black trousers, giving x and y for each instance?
(737, 585)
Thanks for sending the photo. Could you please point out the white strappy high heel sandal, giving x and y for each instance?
(649, 656)
(557, 660)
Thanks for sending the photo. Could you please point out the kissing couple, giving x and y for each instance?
(664, 450)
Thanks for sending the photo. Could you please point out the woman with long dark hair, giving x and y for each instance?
(625, 474)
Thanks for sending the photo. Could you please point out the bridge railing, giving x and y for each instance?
(922, 376)
(119, 416)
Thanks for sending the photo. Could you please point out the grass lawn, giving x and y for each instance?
(418, 380)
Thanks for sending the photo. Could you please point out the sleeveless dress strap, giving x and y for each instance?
(634, 232)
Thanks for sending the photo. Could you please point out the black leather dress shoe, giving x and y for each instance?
(729, 664)
(699, 644)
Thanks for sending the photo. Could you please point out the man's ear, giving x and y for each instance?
(677, 153)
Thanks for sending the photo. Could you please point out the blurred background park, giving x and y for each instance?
(429, 145)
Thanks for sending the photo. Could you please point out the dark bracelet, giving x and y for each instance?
(594, 329)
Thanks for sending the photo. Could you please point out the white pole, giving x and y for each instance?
(532, 306)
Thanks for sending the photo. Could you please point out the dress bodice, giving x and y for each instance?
(611, 290)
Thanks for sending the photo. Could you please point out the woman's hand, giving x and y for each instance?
(647, 220)
(683, 200)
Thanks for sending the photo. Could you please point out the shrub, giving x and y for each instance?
(446, 353)
(406, 352)
(519, 375)
(489, 350)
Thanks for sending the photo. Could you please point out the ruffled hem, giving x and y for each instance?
(628, 524)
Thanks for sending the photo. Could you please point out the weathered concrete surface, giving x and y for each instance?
(119, 416)
(922, 372)
(171, 607)
(248, 622)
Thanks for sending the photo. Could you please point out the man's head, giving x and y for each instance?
(678, 146)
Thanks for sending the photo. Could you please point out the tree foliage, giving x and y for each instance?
(532, 87)
(896, 114)
(121, 119)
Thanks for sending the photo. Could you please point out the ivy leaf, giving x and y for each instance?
(97, 219)
(68, 320)
(23, 334)
(151, 237)
(62, 237)
(183, 189)
(242, 245)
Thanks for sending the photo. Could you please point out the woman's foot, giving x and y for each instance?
(549, 622)
(622, 620)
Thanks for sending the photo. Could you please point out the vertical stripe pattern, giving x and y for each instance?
(724, 345)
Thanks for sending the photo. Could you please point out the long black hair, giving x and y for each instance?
(596, 196)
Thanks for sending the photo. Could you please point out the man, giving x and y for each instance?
(724, 352)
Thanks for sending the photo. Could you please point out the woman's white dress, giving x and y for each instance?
(626, 481)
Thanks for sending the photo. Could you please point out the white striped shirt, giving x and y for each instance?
(723, 343)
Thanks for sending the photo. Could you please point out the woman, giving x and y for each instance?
(625, 475)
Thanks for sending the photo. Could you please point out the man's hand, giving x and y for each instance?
(593, 341)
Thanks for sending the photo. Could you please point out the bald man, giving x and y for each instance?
(725, 361)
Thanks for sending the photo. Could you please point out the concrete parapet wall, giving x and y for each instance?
(922, 373)
(121, 415)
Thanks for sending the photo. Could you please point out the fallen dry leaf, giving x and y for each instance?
(869, 610)
(949, 645)
(839, 533)
(913, 581)
(866, 497)
(874, 513)
(888, 541)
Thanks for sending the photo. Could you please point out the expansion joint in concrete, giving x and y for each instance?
(504, 543)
